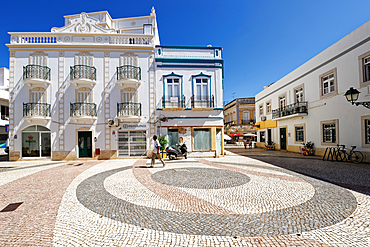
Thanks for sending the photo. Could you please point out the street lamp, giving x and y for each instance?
(352, 95)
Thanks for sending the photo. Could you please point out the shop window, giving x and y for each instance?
(262, 136)
(202, 139)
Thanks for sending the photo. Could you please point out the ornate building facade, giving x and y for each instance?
(85, 90)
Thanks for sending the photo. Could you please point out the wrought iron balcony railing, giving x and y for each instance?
(198, 101)
(229, 123)
(128, 109)
(36, 72)
(36, 110)
(173, 102)
(128, 72)
(83, 72)
(250, 121)
(300, 107)
(83, 110)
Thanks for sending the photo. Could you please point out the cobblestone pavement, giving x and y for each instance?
(231, 201)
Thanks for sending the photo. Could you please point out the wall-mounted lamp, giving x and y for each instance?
(95, 139)
(352, 96)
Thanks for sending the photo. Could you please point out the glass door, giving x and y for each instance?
(84, 144)
(45, 144)
(30, 144)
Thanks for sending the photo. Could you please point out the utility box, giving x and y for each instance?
(97, 151)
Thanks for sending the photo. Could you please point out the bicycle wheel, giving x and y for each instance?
(339, 155)
(357, 157)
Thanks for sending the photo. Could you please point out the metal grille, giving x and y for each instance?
(329, 131)
(300, 107)
(202, 101)
(173, 102)
(36, 72)
(36, 110)
(128, 72)
(128, 109)
(83, 72)
(83, 109)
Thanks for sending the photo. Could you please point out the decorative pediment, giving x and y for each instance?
(82, 24)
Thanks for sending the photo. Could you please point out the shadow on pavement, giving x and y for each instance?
(345, 174)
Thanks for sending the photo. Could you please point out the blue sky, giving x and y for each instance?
(263, 40)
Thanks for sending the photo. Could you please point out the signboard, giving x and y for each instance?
(134, 126)
(6, 127)
(174, 99)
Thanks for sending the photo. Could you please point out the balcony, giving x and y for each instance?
(173, 103)
(83, 112)
(289, 111)
(36, 76)
(36, 112)
(129, 75)
(129, 112)
(202, 103)
(250, 121)
(83, 76)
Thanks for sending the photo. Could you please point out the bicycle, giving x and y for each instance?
(343, 154)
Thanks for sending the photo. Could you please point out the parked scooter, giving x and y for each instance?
(177, 151)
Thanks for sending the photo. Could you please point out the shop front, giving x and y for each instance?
(36, 142)
(132, 140)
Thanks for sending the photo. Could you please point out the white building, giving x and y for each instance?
(86, 90)
(308, 104)
(4, 107)
(189, 97)
(68, 83)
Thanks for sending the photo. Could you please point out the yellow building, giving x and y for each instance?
(240, 116)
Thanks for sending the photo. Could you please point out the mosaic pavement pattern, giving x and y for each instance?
(229, 201)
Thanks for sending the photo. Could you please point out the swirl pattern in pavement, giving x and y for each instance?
(200, 178)
(330, 205)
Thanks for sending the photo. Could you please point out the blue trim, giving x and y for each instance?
(189, 60)
(189, 66)
(188, 47)
(164, 86)
(193, 118)
(159, 109)
(210, 84)
(218, 108)
(187, 109)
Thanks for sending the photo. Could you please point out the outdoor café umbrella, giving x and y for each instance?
(227, 138)
(234, 135)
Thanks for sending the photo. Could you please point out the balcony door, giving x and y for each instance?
(83, 97)
(173, 93)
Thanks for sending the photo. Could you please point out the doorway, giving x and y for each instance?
(84, 144)
(269, 136)
(283, 138)
(218, 142)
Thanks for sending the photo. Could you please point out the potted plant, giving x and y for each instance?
(270, 146)
(163, 142)
(308, 148)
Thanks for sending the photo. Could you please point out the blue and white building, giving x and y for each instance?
(189, 97)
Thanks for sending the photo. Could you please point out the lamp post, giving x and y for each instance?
(352, 96)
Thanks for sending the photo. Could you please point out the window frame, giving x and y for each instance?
(361, 65)
(295, 93)
(268, 107)
(209, 84)
(363, 131)
(295, 133)
(129, 90)
(336, 123)
(260, 110)
(165, 85)
(321, 85)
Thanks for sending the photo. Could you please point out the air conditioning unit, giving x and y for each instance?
(263, 118)
(110, 122)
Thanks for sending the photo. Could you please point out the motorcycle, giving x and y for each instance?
(177, 151)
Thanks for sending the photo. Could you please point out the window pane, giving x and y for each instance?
(176, 90)
(299, 137)
(169, 93)
(202, 139)
(198, 80)
(367, 131)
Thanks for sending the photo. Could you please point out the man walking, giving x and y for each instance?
(157, 148)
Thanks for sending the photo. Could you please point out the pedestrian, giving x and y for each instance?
(157, 148)
(250, 143)
(245, 142)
